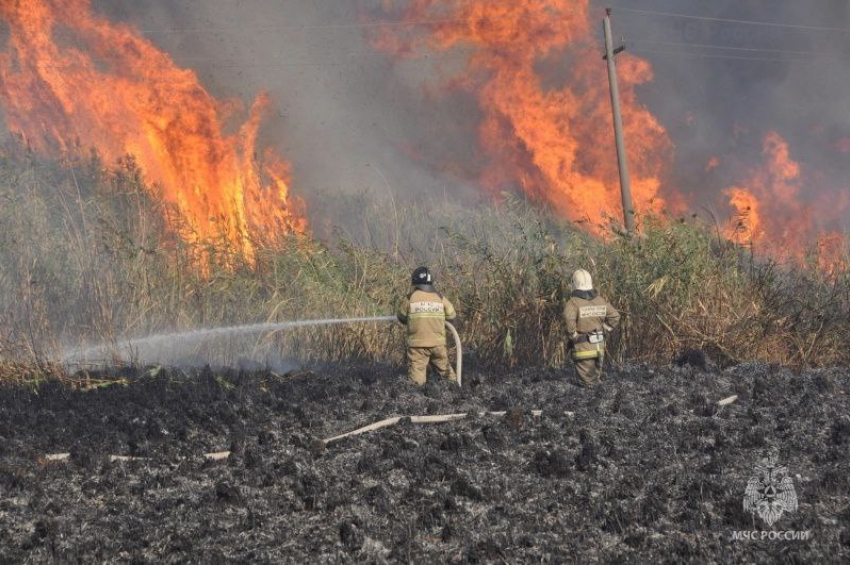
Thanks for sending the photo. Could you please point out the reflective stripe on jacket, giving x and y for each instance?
(587, 312)
(425, 314)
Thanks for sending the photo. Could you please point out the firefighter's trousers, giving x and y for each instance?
(419, 358)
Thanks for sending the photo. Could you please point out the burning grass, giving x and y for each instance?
(88, 256)
(138, 101)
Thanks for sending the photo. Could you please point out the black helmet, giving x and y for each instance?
(422, 276)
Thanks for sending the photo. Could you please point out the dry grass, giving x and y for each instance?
(86, 255)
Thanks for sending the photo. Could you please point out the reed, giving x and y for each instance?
(88, 255)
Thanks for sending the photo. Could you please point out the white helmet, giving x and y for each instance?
(582, 280)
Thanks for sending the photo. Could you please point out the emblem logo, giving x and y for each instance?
(770, 492)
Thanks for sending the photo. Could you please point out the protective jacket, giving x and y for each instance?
(425, 312)
(585, 314)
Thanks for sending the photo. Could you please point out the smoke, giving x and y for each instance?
(346, 114)
(719, 111)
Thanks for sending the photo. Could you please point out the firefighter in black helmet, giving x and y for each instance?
(425, 311)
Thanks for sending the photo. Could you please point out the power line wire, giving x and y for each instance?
(718, 56)
(726, 47)
(732, 20)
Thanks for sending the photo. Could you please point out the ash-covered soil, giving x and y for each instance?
(648, 468)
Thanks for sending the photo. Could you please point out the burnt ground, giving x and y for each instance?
(647, 468)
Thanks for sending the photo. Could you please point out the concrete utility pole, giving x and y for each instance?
(622, 161)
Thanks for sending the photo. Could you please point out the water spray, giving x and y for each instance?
(97, 353)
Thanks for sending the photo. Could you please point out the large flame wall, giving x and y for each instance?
(556, 143)
(533, 67)
(69, 76)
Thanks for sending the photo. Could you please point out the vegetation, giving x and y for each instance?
(87, 254)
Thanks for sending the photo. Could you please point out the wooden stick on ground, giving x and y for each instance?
(371, 427)
(62, 457)
(727, 401)
(431, 419)
(437, 419)
(428, 419)
(217, 456)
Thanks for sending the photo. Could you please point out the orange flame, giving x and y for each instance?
(771, 213)
(555, 143)
(71, 77)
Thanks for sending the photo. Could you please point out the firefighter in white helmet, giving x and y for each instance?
(588, 317)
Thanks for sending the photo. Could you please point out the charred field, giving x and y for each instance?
(648, 466)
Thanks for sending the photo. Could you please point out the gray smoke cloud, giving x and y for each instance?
(347, 113)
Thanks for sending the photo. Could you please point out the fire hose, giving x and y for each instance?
(459, 360)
